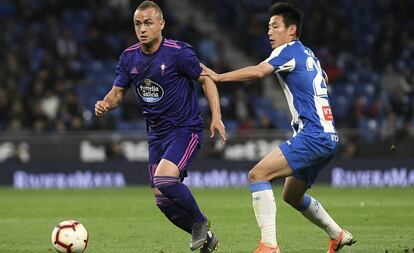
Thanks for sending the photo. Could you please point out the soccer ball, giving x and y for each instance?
(70, 237)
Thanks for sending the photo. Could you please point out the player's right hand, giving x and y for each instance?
(210, 73)
(217, 124)
(101, 107)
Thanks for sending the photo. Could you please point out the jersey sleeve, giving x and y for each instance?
(281, 59)
(121, 75)
(188, 63)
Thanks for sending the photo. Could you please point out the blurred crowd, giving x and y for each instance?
(59, 57)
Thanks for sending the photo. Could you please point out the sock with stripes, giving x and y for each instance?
(180, 195)
(174, 213)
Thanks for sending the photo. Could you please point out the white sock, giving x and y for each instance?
(264, 206)
(318, 216)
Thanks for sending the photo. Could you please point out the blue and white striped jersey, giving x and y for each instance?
(300, 75)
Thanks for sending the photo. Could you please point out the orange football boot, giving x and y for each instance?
(344, 238)
(263, 248)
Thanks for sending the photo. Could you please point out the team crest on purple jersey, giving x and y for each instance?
(150, 91)
(163, 83)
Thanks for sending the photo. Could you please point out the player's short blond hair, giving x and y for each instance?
(150, 4)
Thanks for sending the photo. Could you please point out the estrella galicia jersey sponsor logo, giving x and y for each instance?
(151, 92)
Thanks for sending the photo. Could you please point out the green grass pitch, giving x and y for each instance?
(126, 220)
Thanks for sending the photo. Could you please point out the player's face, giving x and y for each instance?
(278, 33)
(148, 26)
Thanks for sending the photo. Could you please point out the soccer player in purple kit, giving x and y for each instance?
(161, 72)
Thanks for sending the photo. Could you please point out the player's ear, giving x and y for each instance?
(292, 30)
(162, 24)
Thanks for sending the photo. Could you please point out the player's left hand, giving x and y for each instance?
(210, 73)
(217, 124)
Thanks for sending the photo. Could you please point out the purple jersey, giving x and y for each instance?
(163, 82)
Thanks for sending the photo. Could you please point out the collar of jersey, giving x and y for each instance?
(159, 48)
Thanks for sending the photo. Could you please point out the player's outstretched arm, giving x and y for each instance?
(244, 74)
(111, 101)
(210, 89)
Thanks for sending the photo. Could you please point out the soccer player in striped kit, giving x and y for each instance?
(161, 72)
(314, 141)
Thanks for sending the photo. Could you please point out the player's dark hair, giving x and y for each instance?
(291, 15)
(150, 4)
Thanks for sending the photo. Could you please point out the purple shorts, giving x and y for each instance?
(180, 149)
